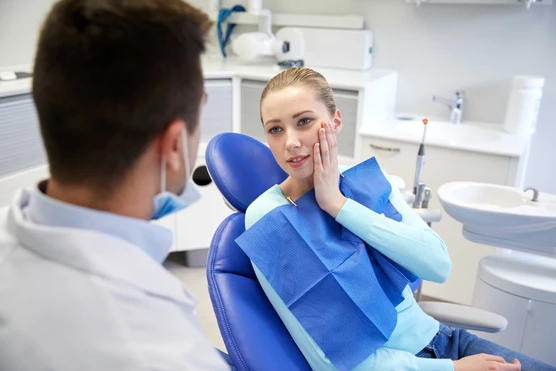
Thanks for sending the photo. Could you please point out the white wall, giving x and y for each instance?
(20, 22)
(435, 48)
(439, 48)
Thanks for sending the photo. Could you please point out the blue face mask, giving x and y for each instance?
(165, 202)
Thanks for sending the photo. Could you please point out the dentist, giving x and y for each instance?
(118, 88)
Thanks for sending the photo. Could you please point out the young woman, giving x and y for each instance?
(301, 121)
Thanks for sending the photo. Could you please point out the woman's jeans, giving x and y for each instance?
(457, 343)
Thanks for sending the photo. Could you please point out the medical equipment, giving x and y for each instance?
(254, 335)
(334, 48)
(418, 188)
(287, 46)
(224, 14)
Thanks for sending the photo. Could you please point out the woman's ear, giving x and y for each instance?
(337, 122)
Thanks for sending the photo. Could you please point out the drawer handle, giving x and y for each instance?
(389, 149)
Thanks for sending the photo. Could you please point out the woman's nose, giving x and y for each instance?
(292, 141)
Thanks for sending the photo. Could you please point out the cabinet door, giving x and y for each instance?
(250, 109)
(20, 140)
(443, 165)
(217, 113)
(511, 307)
(196, 225)
(540, 332)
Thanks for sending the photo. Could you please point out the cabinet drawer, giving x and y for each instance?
(20, 140)
(395, 158)
(217, 114)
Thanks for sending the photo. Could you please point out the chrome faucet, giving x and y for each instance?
(455, 105)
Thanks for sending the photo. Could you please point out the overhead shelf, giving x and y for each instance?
(525, 3)
(299, 20)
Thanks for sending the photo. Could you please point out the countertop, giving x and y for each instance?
(216, 67)
(471, 136)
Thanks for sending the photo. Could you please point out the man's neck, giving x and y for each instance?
(130, 201)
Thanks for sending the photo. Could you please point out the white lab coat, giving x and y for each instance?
(78, 300)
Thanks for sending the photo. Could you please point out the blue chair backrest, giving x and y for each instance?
(242, 168)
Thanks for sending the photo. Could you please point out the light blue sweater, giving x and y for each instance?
(413, 245)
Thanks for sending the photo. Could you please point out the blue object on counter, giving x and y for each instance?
(222, 16)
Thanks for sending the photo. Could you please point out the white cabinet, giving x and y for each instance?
(196, 225)
(250, 114)
(347, 101)
(531, 324)
(444, 165)
(20, 141)
(216, 115)
(514, 309)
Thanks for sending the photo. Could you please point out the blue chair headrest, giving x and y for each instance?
(242, 168)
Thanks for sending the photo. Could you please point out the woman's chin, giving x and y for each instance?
(300, 174)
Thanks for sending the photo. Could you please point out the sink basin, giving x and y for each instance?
(502, 216)
(446, 130)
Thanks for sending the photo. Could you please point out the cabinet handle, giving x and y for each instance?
(389, 149)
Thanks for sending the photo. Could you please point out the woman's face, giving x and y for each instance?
(292, 118)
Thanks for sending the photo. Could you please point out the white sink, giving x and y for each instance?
(502, 216)
(465, 132)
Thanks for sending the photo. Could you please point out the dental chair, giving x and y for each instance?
(255, 337)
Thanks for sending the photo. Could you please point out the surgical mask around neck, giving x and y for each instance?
(166, 203)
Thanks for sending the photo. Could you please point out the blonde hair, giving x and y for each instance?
(297, 76)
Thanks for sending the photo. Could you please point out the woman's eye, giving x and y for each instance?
(275, 130)
(305, 121)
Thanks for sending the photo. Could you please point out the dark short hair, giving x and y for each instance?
(109, 76)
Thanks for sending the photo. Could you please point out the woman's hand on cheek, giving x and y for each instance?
(326, 173)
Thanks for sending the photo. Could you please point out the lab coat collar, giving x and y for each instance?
(97, 253)
(155, 240)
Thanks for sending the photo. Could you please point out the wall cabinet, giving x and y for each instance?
(20, 141)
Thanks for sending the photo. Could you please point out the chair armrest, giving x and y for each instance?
(466, 317)
(408, 196)
(429, 215)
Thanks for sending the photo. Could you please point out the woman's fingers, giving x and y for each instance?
(324, 149)
(332, 145)
(316, 155)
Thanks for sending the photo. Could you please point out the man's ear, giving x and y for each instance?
(337, 121)
(171, 145)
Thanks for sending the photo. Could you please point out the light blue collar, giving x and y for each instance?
(154, 240)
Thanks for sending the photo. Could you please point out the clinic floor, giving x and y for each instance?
(195, 279)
